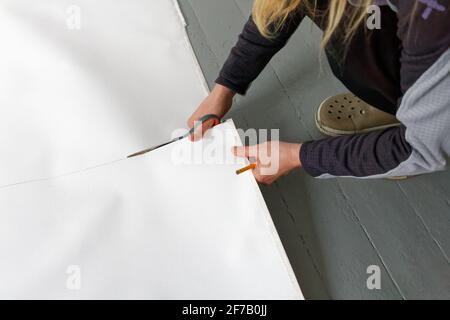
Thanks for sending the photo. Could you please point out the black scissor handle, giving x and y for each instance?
(201, 121)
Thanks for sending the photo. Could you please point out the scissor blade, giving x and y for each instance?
(153, 148)
(197, 123)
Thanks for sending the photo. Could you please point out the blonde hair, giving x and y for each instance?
(270, 16)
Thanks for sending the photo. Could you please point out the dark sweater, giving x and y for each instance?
(378, 68)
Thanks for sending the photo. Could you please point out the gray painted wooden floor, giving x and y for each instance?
(332, 230)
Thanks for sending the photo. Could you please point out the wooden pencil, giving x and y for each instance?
(247, 168)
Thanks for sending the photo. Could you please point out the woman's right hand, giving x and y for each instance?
(218, 102)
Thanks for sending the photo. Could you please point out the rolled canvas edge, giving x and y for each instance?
(184, 26)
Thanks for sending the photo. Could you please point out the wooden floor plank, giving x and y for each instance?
(414, 259)
(429, 196)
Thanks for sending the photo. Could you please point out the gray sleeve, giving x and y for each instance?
(425, 112)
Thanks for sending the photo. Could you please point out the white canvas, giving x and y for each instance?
(151, 227)
(77, 220)
(74, 98)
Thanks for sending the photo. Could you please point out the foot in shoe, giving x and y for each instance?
(347, 114)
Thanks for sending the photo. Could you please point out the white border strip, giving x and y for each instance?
(189, 44)
(180, 13)
(272, 229)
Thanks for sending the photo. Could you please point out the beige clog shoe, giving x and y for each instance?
(347, 114)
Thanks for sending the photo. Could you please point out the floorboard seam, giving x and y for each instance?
(371, 242)
(302, 239)
(427, 228)
(291, 102)
(283, 199)
(315, 266)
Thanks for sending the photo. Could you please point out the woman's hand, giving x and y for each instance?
(218, 102)
(273, 159)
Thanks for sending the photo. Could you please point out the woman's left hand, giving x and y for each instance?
(273, 159)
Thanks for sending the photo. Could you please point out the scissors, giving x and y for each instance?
(197, 123)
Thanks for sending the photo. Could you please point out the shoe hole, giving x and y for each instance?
(353, 108)
(336, 101)
(342, 107)
(330, 111)
(331, 106)
(340, 111)
(345, 98)
(339, 118)
(350, 116)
